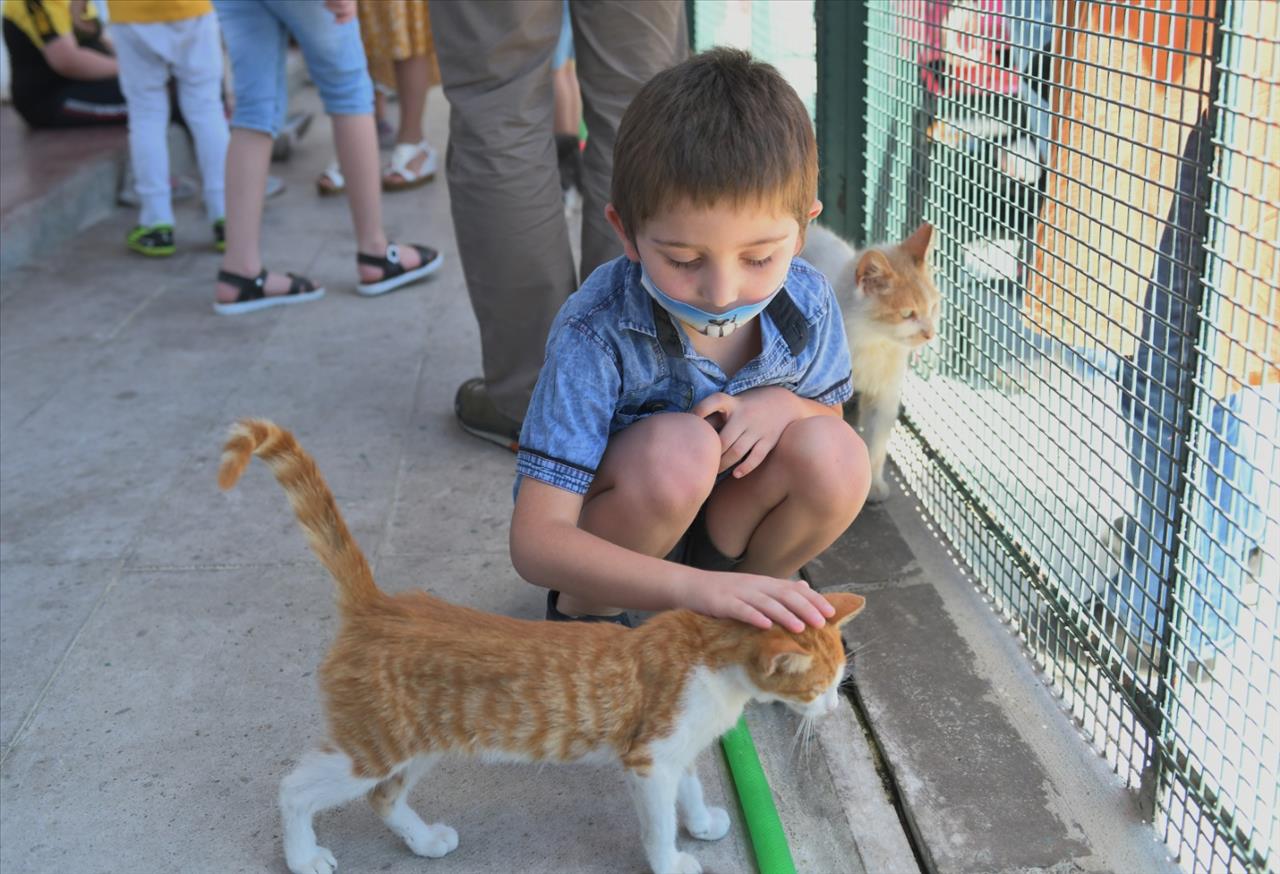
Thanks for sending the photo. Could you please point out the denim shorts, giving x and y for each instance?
(257, 36)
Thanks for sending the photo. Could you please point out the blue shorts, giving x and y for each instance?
(257, 36)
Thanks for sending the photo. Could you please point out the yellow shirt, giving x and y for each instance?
(41, 20)
(152, 11)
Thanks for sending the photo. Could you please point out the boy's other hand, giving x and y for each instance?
(752, 423)
(759, 601)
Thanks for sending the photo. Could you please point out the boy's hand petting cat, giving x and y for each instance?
(758, 600)
(750, 423)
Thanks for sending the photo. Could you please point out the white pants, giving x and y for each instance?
(190, 51)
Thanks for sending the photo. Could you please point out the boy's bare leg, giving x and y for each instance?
(651, 481)
(795, 504)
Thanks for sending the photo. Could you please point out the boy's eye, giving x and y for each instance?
(759, 262)
(683, 265)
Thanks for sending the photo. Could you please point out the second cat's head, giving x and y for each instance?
(895, 292)
(803, 670)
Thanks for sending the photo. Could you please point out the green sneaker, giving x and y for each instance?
(220, 235)
(155, 241)
(479, 417)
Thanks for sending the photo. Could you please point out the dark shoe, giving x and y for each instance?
(554, 615)
(220, 235)
(394, 274)
(155, 241)
(479, 417)
(253, 296)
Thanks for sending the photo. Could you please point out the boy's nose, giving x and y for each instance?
(719, 292)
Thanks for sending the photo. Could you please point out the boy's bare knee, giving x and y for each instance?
(827, 461)
(679, 463)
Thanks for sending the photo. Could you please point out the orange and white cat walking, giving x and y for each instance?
(412, 678)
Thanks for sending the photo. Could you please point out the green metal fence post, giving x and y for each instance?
(841, 114)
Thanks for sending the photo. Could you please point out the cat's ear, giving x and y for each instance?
(917, 245)
(780, 654)
(847, 604)
(874, 273)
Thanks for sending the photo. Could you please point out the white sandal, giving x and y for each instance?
(401, 157)
(331, 181)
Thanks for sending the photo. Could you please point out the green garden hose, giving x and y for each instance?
(773, 855)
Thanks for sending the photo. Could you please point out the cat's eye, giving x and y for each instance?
(908, 314)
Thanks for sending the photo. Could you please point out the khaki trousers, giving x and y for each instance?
(504, 182)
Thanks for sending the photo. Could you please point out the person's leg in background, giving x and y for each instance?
(336, 60)
(397, 39)
(142, 51)
(198, 69)
(256, 42)
(89, 103)
(508, 211)
(619, 46)
(568, 101)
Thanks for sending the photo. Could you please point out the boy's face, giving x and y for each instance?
(718, 257)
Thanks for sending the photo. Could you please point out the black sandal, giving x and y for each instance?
(394, 274)
(554, 614)
(253, 296)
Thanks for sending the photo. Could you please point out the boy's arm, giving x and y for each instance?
(70, 59)
(549, 549)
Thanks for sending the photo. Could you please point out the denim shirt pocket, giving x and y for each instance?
(667, 395)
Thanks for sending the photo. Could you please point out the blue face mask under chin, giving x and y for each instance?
(709, 324)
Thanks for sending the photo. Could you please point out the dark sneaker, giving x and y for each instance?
(220, 235)
(479, 417)
(554, 614)
(155, 241)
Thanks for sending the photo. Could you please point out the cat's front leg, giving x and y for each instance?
(702, 822)
(654, 794)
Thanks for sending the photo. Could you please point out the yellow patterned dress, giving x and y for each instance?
(395, 30)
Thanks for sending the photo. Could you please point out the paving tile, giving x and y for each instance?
(42, 607)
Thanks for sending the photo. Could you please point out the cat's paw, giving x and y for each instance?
(879, 491)
(319, 862)
(432, 841)
(681, 863)
(711, 827)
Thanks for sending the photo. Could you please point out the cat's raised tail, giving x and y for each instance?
(312, 502)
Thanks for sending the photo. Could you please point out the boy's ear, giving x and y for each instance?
(814, 211)
(615, 222)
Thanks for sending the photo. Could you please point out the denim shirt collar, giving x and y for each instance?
(786, 323)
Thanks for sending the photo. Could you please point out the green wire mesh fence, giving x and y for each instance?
(1097, 429)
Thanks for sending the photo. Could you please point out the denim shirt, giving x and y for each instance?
(614, 357)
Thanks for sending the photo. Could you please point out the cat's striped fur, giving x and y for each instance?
(412, 677)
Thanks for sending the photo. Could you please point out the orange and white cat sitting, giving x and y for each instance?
(412, 678)
(891, 308)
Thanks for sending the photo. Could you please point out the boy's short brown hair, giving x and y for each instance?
(719, 126)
